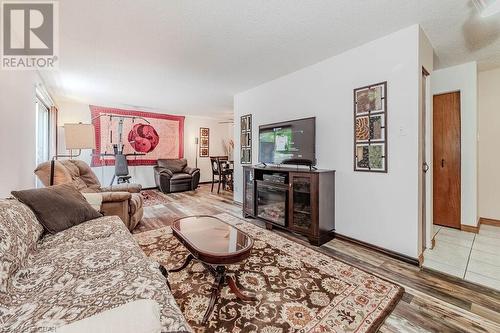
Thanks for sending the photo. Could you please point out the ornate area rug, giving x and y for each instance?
(298, 288)
(153, 198)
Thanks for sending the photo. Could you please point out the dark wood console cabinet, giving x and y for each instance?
(297, 199)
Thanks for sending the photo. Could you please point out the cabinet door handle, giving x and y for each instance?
(442, 163)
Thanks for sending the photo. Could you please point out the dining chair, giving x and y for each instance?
(218, 171)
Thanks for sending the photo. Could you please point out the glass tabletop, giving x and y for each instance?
(212, 235)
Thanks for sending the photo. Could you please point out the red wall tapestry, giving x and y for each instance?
(162, 137)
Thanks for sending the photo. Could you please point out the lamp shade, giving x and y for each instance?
(79, 136)
(487, 7)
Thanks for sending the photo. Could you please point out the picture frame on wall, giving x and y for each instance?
(246, 139)
(204, 142)
(370, 128)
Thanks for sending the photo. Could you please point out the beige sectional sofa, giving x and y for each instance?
(123, 200)
(48, 281)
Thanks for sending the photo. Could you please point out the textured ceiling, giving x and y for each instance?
(192, 56)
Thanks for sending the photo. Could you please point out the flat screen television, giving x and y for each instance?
(295, 139)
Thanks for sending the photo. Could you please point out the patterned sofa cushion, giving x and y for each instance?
(19, 233)
(82, 271)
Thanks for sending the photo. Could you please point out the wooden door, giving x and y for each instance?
(446, 160)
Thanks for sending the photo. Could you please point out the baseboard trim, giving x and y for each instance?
(485, 221)
(390, 253)
(469, 228)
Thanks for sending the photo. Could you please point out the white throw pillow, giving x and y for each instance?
(142, 316)
(94, 199)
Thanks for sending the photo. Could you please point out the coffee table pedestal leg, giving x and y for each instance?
(220, 275)
(164, 272)
(234, 288)
(221, 278)
(184, 265)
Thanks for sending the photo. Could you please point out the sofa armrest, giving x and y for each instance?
(189, 170)
(163, 171)
(115, 196)
(131, 188)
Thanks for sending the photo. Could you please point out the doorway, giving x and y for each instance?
(446, 160)
(425, 102)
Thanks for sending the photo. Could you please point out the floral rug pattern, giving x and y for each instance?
(298, 288)
(153, 197)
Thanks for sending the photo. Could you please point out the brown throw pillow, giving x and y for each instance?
(58, 207)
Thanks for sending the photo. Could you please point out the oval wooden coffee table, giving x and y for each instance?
(215, 244)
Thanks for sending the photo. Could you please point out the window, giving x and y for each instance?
(46, 127)
(42, 135)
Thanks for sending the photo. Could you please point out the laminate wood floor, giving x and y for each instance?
(432, 302)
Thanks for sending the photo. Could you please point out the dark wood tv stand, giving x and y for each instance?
(296, 199)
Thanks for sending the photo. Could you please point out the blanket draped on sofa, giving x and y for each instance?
(50, 281)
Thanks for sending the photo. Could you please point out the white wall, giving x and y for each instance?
(71, 112)
(18, 134)
(463, 78)
(218, 133)
(381, 209)
(489, 143)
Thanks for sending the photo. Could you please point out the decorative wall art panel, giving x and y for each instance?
(370, 128)
(246, 139)
(204, 142)
(148, 135)
(370, 99)
(362, 128)
(370, 157)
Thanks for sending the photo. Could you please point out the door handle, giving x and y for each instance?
(425, 167)
(442, 163)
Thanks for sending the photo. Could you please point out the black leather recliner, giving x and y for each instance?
(173, 175)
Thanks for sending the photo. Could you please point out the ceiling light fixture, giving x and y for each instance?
(487, 7)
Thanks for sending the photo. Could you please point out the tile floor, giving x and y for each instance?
(473, 257)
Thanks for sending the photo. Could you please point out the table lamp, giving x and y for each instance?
(76, 136)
